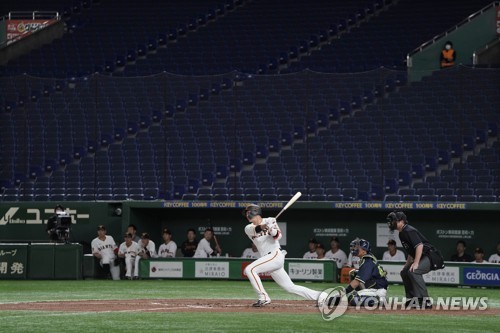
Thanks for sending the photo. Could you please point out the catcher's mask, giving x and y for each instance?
(358, 243)
(393, 219)
(251, 211)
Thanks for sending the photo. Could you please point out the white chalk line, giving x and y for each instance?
(42, 313)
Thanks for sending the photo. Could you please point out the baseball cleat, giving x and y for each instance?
(261, 303)
(427, 304)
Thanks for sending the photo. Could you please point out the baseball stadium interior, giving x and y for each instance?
(123, 110)
(249, 100)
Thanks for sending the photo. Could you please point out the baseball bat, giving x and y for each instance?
(289, 203)
(216, 241)
(213, 231)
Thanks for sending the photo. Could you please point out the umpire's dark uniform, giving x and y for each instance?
(431, 259)
(414, 281)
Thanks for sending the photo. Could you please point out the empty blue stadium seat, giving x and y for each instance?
(429, 197)
(487, 198)
(129, 138)
(411, 197)
(192, 196)
(393, 197)
(448, 198)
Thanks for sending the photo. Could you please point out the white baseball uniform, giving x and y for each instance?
(339, 257)
(203, 250)
(249, 254)
(477, 262)
(151, 247)
(272, 260)
(353, 261)
(167, 250)
(130, 253)
(398, 256)
(106, 249)
(494, 259)
(310, 255)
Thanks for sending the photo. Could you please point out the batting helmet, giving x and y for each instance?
(251, 211)
(358, 243)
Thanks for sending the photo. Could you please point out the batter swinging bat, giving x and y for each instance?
(289, 203)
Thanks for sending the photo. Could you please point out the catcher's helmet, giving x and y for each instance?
(251, 211)
(358, 243)
(393, 219)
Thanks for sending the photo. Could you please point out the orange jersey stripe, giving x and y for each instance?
(253, 274)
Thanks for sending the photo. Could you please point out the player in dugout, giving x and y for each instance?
(188, 247)
(103, 248)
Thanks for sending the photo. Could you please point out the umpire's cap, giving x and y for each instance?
(251, 211)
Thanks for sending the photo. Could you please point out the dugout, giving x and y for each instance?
(443, 223)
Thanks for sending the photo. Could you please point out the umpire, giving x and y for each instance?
(422, 258)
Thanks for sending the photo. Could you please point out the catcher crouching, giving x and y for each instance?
(368, 285)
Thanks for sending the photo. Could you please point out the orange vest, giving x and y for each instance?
(447, 58)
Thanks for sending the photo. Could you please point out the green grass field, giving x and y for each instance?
(133, 321)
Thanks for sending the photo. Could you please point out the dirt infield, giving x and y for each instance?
(207, 305)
